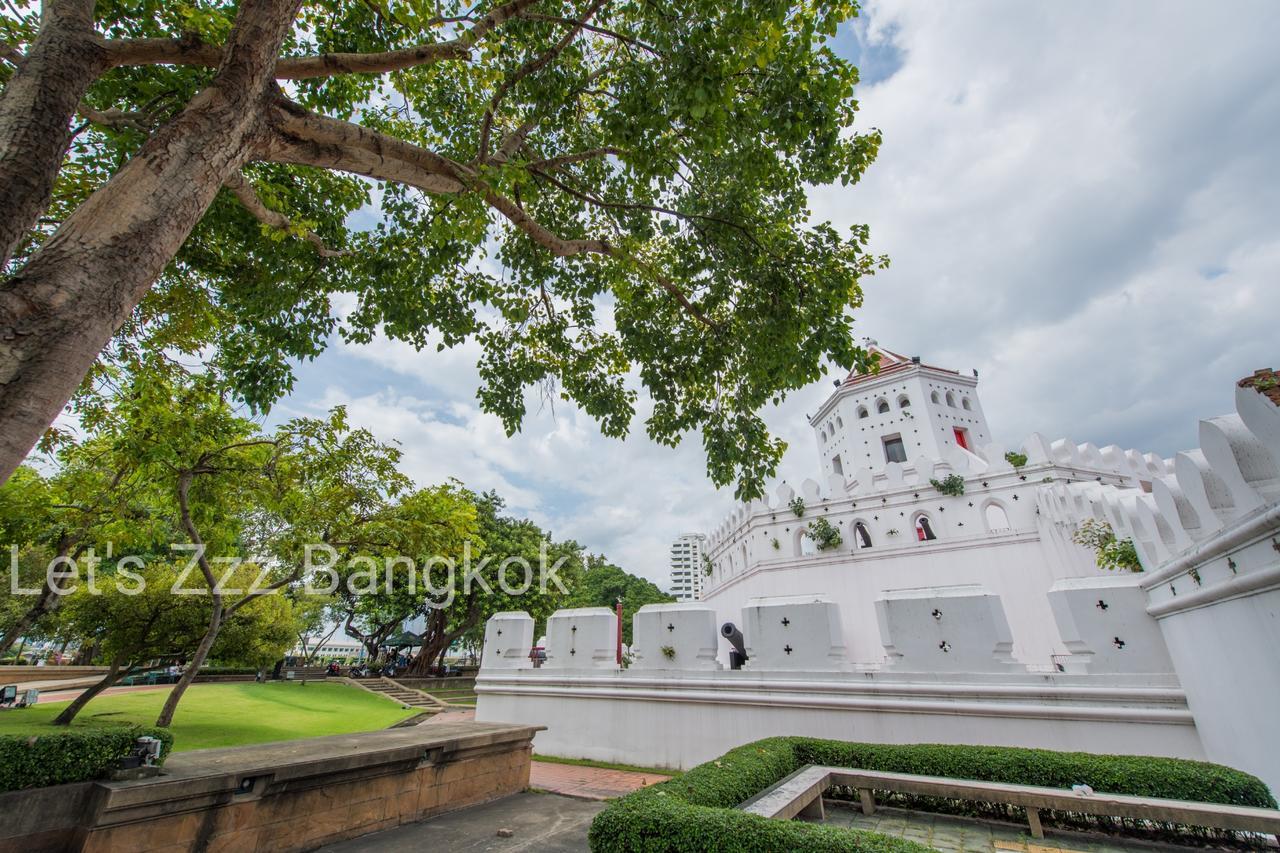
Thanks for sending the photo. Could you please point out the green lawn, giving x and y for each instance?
(230, 714)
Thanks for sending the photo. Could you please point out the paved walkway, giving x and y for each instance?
(970, 835)
(545, 823)
(588, 783)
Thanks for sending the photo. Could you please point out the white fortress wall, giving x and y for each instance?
(991, 626)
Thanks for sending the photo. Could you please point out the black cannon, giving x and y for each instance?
(738, 654)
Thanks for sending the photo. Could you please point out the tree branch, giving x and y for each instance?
(11, 54)
(116, 118)
(486, 123)
(245, 193)
(161, 51)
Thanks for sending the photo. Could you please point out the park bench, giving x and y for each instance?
(800, 794)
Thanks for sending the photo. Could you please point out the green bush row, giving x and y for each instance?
(1135, 775)
(75, 755)
(698, 810)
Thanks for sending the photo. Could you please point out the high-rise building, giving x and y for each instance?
(688, 566)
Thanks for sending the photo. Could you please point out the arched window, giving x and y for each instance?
(924, 530)
(862, 412)
(882, 406)
(804, 543)
(839, 423)
(860, 535)
(964, 402)
(951, 400)
(934, 396)
(996, 517)
(904, 402)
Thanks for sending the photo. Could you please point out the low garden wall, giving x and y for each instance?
(20, 674)
(291, 796)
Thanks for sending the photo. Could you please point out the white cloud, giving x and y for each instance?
(1078, 201)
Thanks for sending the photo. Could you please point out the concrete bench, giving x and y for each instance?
(800, 794)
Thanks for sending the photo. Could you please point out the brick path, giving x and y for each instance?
(588, 783)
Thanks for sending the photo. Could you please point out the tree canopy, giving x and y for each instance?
(603, 584)
(601, 193)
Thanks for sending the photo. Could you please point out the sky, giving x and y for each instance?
(1079, 200)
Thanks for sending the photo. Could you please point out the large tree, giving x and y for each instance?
(590, 189)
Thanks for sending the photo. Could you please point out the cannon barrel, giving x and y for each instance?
(738, 655)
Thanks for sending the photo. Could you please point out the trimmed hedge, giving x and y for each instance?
(698, 810)
(75, 755)
(1135, 775)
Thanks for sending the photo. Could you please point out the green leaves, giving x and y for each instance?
(625, 212)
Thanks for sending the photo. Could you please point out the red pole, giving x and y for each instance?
(619, 632)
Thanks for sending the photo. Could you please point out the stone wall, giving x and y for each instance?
(292, 796)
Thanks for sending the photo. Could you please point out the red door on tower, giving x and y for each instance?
(962, 437)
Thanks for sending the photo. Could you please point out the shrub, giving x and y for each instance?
(698, 810)
(74, 755)
(1110, 553)
(952, 484)
(824, 534)
(1017, 460)
(1135, 775)
(797, 505)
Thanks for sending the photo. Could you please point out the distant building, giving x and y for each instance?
(688, 566)
(340, 648)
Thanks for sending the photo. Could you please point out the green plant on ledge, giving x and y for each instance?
(1111, 553)
(668, 652)
(707, 565)
(777, 546)
(1017, 460)
(797, 505)
(951, 485)
(824, 535)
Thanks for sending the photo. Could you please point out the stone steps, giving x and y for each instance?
(400, 693)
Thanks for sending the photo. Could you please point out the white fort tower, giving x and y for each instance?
(905, 411)
(882, 439)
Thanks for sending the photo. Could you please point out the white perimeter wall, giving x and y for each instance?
(1014, 567)
(662, 719)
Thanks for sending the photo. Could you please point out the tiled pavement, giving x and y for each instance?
(588, 783)
(962, 835)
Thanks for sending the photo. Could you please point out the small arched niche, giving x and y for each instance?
(951, 399)
(995, 516)
(904, 402)
(882, 406)
(924, 528)
(861, 537)
(964, 404)
(862, 412)
(934, 397)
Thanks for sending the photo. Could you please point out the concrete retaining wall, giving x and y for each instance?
(290, 796)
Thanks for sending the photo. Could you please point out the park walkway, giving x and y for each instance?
(570, 780)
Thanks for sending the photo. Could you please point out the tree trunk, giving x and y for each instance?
(48, 601)
(62, 309)
(193, 666)
(36, 109)
(113, 675)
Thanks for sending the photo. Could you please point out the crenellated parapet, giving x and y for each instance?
(872, 510)
(1187, 500)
